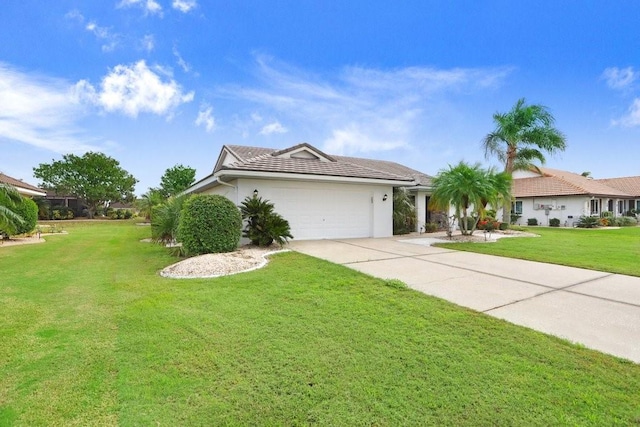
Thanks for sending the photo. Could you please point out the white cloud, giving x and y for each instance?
(181, 62)
(205, 118)
(359, 109)
(104, 34)
(184, 6)
(148, 42)
(353, 139)
(274, 127)
(75, 15)
(632, 119)
(620, 78)
(150, 6)
(135, 89)
(40, 111)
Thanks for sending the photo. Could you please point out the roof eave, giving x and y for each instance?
(237, 173)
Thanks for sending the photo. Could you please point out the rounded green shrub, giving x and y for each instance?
(209, 224)
(28, 211)
(554, 222)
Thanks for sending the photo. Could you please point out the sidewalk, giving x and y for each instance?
(599, 310)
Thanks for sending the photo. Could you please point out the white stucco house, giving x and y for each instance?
(551, 193)
(321, 195)
(27, 190)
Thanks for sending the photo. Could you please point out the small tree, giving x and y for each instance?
(176, 179)
(469, 189)
(93, 177)
(209, 224)
(264, 225)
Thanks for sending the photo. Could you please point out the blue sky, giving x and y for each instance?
(155, 83)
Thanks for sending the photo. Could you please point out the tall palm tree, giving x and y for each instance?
(520, 138)
(469, 189)
(9, 199)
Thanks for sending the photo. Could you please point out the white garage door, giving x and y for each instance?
(325, 214)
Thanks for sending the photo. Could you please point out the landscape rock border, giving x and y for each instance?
(245, 259)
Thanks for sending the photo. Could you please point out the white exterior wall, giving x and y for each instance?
(421, 209)
(574, 206)
(318, 210)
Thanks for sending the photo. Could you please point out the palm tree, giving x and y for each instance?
(149, 201)
(520, 137)
(9, 199)
(469, 189)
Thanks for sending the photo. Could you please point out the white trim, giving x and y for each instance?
(28, 192)
(304, 177)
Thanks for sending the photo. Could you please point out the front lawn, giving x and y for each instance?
(609, 249)
(91, 335)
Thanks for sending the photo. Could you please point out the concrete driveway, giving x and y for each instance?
(599, 310)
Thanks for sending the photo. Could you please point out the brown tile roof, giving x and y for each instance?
(629, 184)
(267, 160)
(556, 182)
(18, 183)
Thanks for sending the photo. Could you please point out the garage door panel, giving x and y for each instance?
(325, 214)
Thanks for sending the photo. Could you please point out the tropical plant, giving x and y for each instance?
(166, 218)
(520, 137)
(148, 202)
(469, 189)
(264, 226)
(9, 199)
(588, 222)
(209, 224)
(404, 211)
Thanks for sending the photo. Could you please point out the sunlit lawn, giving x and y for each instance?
(91, 335)
(616, 250)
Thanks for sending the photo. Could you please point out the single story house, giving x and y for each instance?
(551, 193)
(321, 195)
(27, 190)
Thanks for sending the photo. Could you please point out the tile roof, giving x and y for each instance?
(18, 183)
(268, 160)
(629, 184)
(554, 182)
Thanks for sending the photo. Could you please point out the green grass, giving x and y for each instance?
(91, 335)
(612, 250)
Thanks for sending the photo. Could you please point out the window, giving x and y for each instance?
(595, 206)
(638, 205)
(516, 207)
(620, 206)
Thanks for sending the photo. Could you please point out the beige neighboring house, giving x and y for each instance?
(23, 188)
(322, 196)
(552, 193)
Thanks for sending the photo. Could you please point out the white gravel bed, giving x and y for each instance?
(216, 265)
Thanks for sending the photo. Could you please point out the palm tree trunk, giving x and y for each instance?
(511, 156)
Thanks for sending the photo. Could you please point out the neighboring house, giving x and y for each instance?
(23, 188)
(66, 201)
(552, 193)
(322, 196)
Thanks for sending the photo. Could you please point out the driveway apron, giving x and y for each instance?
(596, 309)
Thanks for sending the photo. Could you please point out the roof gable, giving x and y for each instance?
(303, 151)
